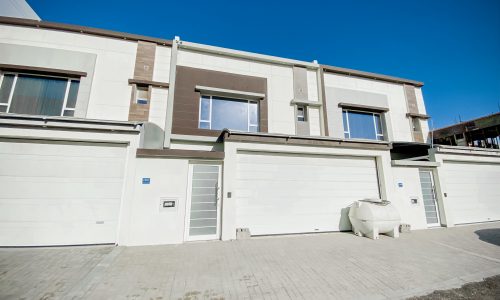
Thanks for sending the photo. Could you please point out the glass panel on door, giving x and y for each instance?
(203, 214)
(429, 198)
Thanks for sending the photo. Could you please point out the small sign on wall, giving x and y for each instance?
(146, 180)
(168, 204)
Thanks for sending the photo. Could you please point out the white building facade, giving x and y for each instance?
(114, 138)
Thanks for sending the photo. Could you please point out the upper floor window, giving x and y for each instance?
(301, 113)
(38, 95)
(217, 113)
(141, 95)
(362, 125)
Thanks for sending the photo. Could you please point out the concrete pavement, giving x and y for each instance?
(316, 266)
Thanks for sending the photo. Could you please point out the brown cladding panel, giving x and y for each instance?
(411, 99)
(300, 83)
(144, 60)
(139, 112)
(418, 136)
(187, 99)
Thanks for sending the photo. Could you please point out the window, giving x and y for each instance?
(141, 95)
(301, 113)
(362, 125)
(415, 123)
(217, 113)
(38, 95)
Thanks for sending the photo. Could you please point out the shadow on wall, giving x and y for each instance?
(490, 235)
(345, 223)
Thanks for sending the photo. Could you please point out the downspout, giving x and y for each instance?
(322, 100)
(171, 92)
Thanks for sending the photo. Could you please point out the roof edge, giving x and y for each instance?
(369, 75)
(277, 138)
(83, 30)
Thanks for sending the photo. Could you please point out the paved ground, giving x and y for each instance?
(319, 266)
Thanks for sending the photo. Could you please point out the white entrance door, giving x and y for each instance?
(203, 207)
(279, 193)
(473, 191)
(55, 193)
(429, 197)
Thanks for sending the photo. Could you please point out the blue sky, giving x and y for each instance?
(452, 46)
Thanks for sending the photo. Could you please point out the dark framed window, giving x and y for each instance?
(217, 113)
(362, 125)
(141, 94)
(301, 113)
(38, 95)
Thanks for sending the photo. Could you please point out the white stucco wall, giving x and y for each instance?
(110, 91)
(397, 123)
(158, 106)
(161, 71)
(413, 214)
(148, 223)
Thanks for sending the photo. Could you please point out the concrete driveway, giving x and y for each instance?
(317, 266)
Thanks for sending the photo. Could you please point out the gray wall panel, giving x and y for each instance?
(54, 59)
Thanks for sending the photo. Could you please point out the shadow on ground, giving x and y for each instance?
(490, 235)
(488, 289)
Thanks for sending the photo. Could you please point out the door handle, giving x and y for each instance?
(217, 188)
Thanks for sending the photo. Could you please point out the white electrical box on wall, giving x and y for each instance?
(168, 204)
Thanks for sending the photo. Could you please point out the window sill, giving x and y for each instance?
(364, 140)
(43, 71)
(305, 102)
(361, 107)
(419, 116)
(211, 91)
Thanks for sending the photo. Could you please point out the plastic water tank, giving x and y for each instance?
(371, 217)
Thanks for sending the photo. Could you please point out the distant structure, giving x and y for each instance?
(483, 132)
(17, 9)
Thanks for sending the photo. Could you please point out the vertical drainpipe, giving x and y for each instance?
(321, 97)
(171, 92)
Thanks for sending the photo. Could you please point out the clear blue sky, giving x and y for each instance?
(451, 45)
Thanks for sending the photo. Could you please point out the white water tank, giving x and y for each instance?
(370, 217)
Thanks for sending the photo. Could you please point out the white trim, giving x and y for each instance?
(410, 163)
(11, 94)
(68, 83)
(348, 126)
(247, 55)
(194, 138)
(171, 92)
(211, 91)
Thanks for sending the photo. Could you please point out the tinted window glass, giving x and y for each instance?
(38, 95)
(229, 114)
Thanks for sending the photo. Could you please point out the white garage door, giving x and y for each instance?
(59, 194)
(473, 191)
(280, 193)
